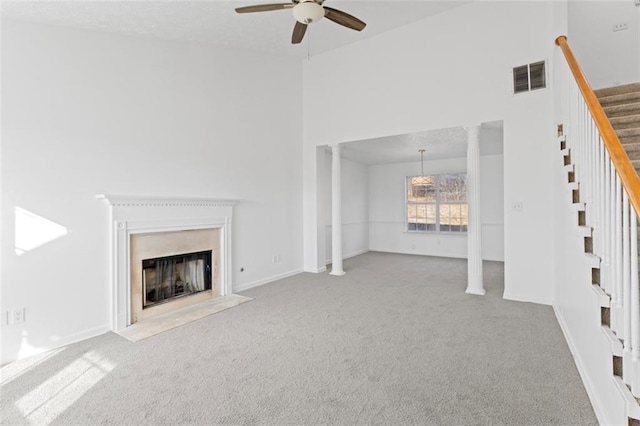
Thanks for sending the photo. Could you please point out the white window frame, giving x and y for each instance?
(438, 202)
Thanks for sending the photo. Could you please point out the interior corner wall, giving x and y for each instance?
(355, 207)
(85, 113)
(431, 75)
(607, 57)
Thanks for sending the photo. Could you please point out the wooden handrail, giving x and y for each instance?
(619, 157)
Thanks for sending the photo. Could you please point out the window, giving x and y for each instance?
(529, 77)
(437, 203)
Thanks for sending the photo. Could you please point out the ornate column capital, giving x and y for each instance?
(473, 130)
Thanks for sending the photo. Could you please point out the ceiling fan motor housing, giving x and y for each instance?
(308, 11)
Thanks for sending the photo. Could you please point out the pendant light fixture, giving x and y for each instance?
(421, 180)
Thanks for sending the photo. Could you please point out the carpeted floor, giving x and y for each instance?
(395, 341)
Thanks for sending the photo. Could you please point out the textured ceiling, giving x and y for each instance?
(215, 22)
(438, 144)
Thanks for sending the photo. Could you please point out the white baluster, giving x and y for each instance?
(606, 276)
(589, 144)
(626, 291)
(618, 258)
(602, 196)
(635, 308)
(614, 252)
(595, 183)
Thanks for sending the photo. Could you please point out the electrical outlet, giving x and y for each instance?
(16, 316)
(517, 206)
(620, 26)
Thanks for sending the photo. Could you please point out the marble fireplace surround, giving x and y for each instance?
(131, 215)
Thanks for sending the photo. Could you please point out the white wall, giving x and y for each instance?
(492, 206)
(607, 58)
(387, 210)
(355, 207)
(85, 113)
(449, 70)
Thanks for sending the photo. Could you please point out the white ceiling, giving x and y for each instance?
(438, 144)
(215, 22)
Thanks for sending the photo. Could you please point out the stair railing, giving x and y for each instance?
(610, 188)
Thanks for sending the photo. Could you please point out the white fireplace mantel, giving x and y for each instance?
(145, 214)
(134, 200)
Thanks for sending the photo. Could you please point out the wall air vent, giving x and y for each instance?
(529, 77)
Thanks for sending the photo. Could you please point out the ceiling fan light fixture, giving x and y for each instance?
(307, 12)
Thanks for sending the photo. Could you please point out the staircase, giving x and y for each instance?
(622, 106)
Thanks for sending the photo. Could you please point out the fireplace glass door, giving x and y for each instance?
(166, 278)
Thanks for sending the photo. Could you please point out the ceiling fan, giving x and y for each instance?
(307, 12)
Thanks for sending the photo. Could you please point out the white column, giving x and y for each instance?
(474, 232)
(336, 213)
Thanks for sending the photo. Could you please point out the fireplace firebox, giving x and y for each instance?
(170, 277)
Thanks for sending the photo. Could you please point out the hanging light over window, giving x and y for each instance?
(422, 179)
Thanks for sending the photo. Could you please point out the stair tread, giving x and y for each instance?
(629, 139)
(622, 98)
(625, 121)
(608, 91)
(628, 132)
(633, 151)
(623, 110)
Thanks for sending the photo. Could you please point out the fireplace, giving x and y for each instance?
(167, 278)
(167, 253)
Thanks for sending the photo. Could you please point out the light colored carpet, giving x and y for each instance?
(395, 341)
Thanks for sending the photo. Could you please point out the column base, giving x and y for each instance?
(476, 291)
(337, 273)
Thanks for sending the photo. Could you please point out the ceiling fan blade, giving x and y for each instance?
(264, 7)
(298, 32)
(343, 18)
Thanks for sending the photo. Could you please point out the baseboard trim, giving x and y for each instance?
(448, 256)
(588, 385)
(247, 286)
(347, 256)
(64, 341)
(519, 298)
(315, 271)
